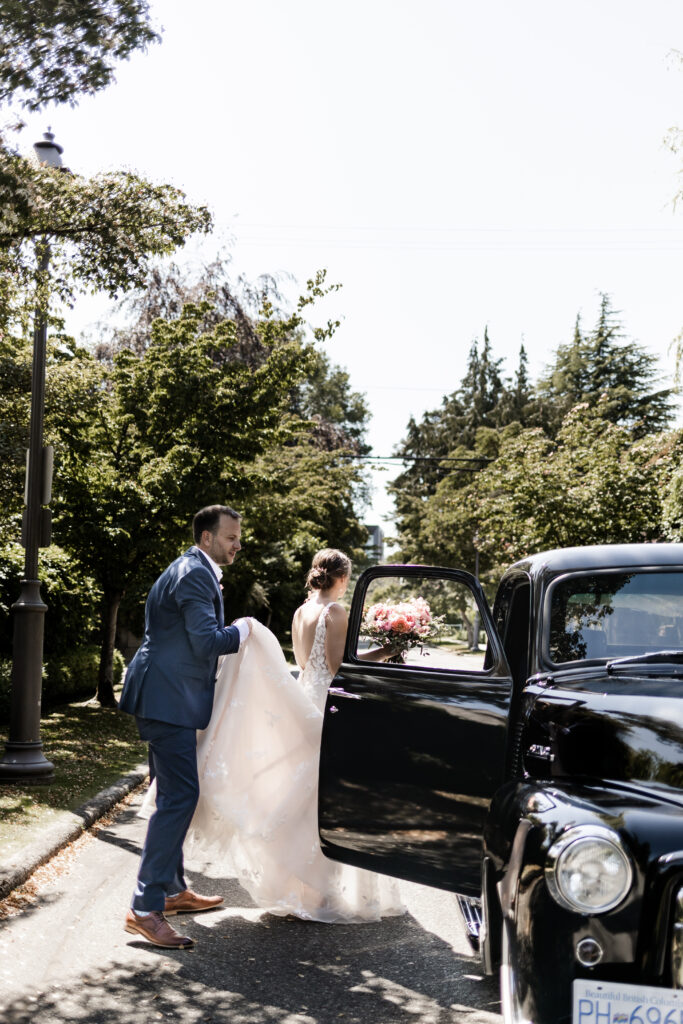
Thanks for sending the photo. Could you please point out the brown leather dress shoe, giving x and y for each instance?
(155, 928)
(189, 902)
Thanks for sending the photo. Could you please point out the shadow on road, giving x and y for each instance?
(254, 968)
(273, 978)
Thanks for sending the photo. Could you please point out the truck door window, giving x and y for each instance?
(423, 622)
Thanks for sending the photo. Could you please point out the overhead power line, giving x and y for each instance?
(417, 458)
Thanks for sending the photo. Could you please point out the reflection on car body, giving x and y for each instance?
(541, 779)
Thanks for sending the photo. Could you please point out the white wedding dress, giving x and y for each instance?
(258, 777)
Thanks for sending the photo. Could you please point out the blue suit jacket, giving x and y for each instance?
(172, 676)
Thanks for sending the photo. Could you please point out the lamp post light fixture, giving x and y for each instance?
(48, 151)
(23, 759)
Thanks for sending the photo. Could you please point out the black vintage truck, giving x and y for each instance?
(541, 780)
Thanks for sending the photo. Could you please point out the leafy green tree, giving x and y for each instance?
(72, 600)
(180, 425)
(483, 399)
(103, 230)
(53, 51)
(592, 484)
(15, 384)
(107, 229)
(124, 463)
(300, 499)
(339, 415)
(214, 401)
(103, 233)
(158, 437)
(166, 288)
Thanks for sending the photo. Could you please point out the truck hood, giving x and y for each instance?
(626, 728)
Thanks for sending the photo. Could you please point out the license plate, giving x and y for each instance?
(605, 1003)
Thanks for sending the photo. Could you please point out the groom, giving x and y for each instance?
(169, 688)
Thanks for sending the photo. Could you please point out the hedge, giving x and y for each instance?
(72, 599)
(67, 678)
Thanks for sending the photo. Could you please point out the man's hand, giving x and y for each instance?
(244, 625)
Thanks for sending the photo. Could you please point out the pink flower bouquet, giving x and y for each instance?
(401, 626)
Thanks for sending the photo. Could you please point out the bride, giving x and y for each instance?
(258, 766)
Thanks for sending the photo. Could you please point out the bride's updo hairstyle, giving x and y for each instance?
(328, 566)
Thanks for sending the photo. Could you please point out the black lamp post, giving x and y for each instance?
(23, 759)
(476, 625)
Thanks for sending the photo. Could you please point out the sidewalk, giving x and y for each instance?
(70, 824)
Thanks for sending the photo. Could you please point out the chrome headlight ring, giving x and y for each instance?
(587, 870)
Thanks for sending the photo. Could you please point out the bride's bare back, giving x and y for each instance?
(304, 626)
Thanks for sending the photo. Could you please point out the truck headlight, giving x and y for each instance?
(587, 869)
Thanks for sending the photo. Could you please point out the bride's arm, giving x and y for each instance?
(377, 654)
(295, 638)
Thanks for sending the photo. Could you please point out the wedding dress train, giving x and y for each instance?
(258, 776)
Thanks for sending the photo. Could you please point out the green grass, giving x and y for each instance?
(90, 748)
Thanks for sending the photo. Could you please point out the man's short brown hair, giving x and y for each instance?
(208, 519)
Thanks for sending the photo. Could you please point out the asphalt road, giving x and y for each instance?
(66, 957)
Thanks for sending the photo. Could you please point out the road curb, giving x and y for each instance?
(53, 839)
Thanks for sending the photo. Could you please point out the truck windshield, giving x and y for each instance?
(615, 615)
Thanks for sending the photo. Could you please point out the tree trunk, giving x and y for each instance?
(105, 679)
(469, 629)
(476, 627)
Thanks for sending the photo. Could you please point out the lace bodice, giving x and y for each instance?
(316, 677)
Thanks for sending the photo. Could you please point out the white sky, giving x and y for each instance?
(453, 164)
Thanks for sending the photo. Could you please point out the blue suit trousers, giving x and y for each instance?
(173, 763)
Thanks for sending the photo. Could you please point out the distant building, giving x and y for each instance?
(374, 547)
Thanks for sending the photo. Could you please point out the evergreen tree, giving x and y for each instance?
(461, 428)
(518, 402)
(591, 484)
(480, 392)
(600, 371)
(602, 366)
